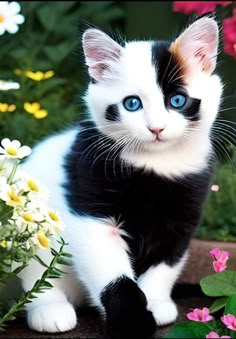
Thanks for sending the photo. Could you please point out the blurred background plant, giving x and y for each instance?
(42, 57)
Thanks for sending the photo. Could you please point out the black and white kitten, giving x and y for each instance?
(130, 184)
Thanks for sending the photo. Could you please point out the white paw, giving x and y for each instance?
(164, 311)
(52, 317)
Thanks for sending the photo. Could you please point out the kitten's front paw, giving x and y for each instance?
(164, 311)
(52, 317)
(126, 312)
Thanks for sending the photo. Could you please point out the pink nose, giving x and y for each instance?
(156, 131)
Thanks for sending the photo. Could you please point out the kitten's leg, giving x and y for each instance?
(50, 311)
(157, 283)
(103, 265)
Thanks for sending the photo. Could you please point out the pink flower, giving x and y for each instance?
(220, 259)
(215, 335)
(229, 29)
(200, 7)
(215, 188)
(230, 321)
(218, 266)
(200, 315)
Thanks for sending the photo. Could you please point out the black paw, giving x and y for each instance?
(126, 313)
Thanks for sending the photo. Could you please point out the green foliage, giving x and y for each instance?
(52, 271)
(218, 304)
(220, 284)
(219, 218)
(48, 40)
(190, 329)
(223, 286)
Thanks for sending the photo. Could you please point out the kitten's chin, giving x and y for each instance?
(158, 145)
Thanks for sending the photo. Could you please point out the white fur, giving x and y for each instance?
(100, 254)
(157, 283)
(51, 312)
(186, 144)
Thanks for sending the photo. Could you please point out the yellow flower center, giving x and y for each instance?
(53, 216)
(32, 186)
(43, 240)
(48, 74)
(28, 217)
(11, 108)
(11, 151)
(14, 197)
(3, 243)
(41, 114)
(3, 107)
(31, 107)
(36, 76)
(1, 19)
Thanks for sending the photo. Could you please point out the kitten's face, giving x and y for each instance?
(151, 96)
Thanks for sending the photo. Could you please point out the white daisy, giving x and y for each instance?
(7, 85)
(12, 198)
(13, 149)
(10, 17)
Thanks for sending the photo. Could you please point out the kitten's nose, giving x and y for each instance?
(156, 131)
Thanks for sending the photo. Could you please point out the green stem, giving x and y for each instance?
(13, 172)
(37, 288)
(2, 163)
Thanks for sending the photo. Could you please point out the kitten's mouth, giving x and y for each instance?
(157, 140)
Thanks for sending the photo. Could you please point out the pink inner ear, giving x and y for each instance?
(101, 52)
(197, 45)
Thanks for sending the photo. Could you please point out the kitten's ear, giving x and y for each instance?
(102, 54)
(197, 46)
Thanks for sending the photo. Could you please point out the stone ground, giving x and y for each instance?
(187, 297)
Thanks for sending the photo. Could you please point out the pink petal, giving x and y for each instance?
(215, 252)
(212, 335)
(205, 315)
(224, 256)
(192, 316)
(230, 321)
(215, 188)
(218, 266)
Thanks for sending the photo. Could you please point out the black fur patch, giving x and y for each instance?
(126, 313)
(112, 113)
(159, 214)
(169, 78)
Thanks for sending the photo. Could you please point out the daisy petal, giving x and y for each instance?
(15, 144)
(5, 142)
(14, 7)
(11, 27)
(18, 19)
(24, 151)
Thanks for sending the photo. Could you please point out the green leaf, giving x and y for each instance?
(68, 255)
(54, 276)
(47, 284)
(218, 304)
(37, 258)
(60, 51)
(54, 252)
(64, 261)
(190, 329)
(219, 284)
(47, 17)
(56, 270)
(19, 269)
(230, 307)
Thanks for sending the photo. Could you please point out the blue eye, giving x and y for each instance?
(132, 104)
(178, 100)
